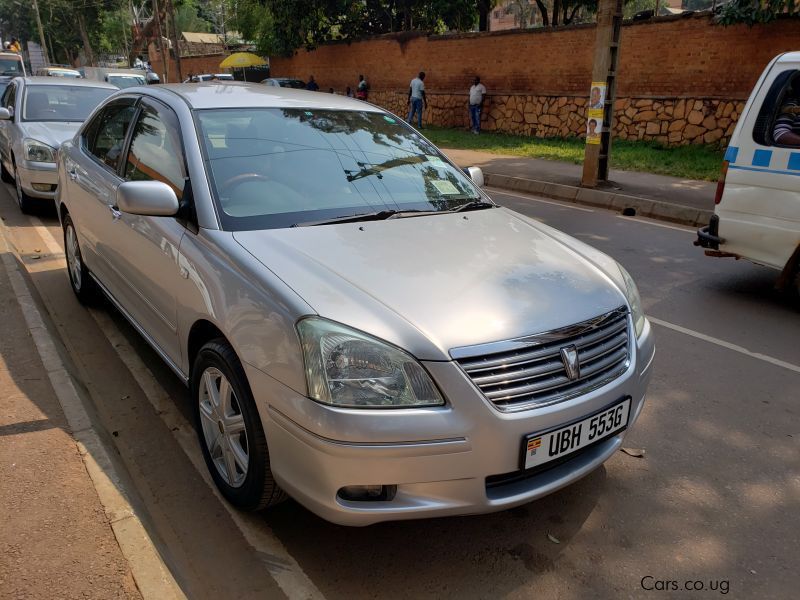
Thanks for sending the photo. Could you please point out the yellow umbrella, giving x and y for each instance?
(240, 60)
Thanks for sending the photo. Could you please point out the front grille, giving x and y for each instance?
(533, 374)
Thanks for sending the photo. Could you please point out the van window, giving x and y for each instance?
(778, 121)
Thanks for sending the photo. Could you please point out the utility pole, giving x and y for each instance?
(157, 16)
(176, 42)
(42, 40)
(604, 76)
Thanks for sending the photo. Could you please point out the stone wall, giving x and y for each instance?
(681, 79)
(671, 121)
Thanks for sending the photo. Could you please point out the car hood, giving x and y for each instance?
(51, 133)
(430, 284)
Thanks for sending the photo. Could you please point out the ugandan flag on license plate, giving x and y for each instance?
(533, 445)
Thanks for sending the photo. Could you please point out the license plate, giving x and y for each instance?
(539, 448)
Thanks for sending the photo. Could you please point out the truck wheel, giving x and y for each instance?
(229, 428)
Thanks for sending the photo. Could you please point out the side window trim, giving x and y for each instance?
(768, 112)
(85, 150)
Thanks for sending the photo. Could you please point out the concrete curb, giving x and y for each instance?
(151, 575)
(654, 209)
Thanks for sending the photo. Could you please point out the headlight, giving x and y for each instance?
(632, 294)
(347, 368)
(38, 152)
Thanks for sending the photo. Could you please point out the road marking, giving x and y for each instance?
(287, 573)
(741, 350)
(152, 577)
(646, 221)
(48, 238)
(537, 199)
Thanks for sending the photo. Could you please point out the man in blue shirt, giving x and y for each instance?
(312, 85)
(417, 99)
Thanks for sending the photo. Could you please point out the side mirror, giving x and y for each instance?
(147, 198)
(5, 114)
(476, 174)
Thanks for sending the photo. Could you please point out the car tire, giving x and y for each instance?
(24, 201)
(229, 429)
(79, 278)
(5, 175)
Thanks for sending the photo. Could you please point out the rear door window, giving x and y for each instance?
(104, 137)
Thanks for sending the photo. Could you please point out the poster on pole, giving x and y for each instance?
(594, 113)
(594, 127)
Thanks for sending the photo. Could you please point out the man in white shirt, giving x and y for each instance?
(417, 99)
(476, 93)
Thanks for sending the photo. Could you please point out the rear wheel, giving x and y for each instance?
(80, 280)
(229, 428)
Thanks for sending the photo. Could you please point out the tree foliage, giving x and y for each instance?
(752, 12)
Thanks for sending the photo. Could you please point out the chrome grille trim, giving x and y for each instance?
(528, 372)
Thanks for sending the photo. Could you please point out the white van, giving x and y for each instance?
(757, 212)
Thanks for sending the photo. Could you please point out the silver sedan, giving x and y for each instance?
(37, 114)
(361, 327)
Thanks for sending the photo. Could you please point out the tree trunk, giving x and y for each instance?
(87, 45)
(484, 8)
(543, 10)
(556, 16)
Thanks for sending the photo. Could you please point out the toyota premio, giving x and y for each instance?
(362, 328)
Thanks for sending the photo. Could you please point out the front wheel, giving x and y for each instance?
(229, 428)
(24, 201)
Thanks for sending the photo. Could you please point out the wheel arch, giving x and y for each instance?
(790, 270)
(201, 332)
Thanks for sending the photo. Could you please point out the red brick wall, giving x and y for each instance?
(670, 57)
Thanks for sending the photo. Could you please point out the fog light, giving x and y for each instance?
(43, 187)
(367, 493)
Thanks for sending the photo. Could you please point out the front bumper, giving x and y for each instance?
(39, 174)
(439, 458)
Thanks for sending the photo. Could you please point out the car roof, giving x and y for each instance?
(43, 80)
(254, 95)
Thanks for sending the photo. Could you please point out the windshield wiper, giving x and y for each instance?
(474, 205)
(381, 215)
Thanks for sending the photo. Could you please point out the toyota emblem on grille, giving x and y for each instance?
(572, 365)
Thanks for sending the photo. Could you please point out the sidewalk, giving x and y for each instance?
(55, 538)
(669, 198)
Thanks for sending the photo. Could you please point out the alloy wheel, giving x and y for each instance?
(223, 427)
(73, 256)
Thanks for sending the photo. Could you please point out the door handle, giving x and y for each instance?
(73, 174)
(115, 212)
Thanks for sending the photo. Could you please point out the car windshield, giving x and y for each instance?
(10, 66)
(125, 81)
(275, 167)
(61, 102)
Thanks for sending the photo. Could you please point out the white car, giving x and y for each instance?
(37, 114)
(757, 212)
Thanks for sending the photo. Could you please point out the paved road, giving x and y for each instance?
(713, 501)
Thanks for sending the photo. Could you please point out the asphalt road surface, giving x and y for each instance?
(710, 509)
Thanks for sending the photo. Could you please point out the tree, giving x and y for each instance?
(751, 12)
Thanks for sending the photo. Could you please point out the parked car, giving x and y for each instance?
(58, 72)
(757, 204)
(11, 66)
(286, 82)
(125, 80)
(361, 327)
(36, 115)
(209, 77)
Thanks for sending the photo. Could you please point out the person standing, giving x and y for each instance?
(476, 94)
(362, 89)
(416, 98)
(14, 46)
(312, 86)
